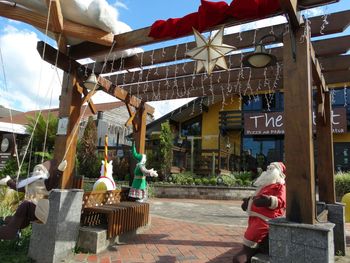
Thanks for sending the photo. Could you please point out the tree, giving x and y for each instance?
(87, 158)
(166, 147)
(43, 127)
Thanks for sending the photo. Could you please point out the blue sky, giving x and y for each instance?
(24, 78)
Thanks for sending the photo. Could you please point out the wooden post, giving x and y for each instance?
(325, 157)
(140, 135)
(299, 152)
(191, 138)
(70, 105)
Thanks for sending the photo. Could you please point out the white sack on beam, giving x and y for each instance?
(93, 13)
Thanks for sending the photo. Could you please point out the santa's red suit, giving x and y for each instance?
(258, 216)
(272, 186)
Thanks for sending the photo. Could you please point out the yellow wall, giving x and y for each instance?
(210, 127)
(343, 137)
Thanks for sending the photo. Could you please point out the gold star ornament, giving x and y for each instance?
(210, 52)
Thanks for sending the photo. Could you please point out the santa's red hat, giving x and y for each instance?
(281, 168)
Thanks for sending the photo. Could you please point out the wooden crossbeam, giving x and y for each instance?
(132, 115)
(55, 15)
(187, 91)
(224, 77)
(291, 9)
(69, 28)
(339, 45)
(67, 64)
(131, 39)
(337, 23)
(87, 97)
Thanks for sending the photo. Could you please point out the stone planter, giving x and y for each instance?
(202, 192)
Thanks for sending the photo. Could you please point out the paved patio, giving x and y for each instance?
(183, 231)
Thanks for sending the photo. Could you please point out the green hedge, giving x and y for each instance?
(342, 184)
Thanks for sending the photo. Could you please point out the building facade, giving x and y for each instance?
(243, 133)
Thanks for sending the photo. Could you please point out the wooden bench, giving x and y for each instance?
(112, 209)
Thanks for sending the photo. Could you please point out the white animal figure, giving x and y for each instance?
(105, 182)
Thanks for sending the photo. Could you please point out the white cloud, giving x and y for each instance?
(29, 80)
(119, 3)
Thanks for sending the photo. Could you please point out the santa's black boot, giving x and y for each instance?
(244, 255)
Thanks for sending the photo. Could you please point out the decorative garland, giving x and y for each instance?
(211, 14)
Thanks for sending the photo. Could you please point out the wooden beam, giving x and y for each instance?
(317, 75)
(55, 15)
(69, 28)
(223, 77)
(140, 37)
(225, 90)
(140, 133)
(65, 144)
(67, 64)
(338, 46)
(290, 7)
(122, 94)
(325, 156)
(299, 151)
(338, 22)
(305, 4)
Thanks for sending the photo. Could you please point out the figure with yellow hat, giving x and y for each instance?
(138, 189)
(35, 207)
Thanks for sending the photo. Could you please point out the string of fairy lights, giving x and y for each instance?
(179, 82)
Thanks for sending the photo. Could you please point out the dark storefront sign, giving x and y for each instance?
(271, 123)
(6, 149)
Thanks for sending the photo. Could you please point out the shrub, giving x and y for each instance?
(239, 182)
(228, 180)
(205, 181)
(212, 181)
(190, 180)
(342, 184)
(11, 169)
(197, 181)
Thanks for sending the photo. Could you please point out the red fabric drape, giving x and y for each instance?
(213, 13)
(250, 9)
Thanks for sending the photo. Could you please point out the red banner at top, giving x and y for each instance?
(211, 14)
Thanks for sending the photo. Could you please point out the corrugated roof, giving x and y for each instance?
(22, 118)
(4, 112)
(12, 128)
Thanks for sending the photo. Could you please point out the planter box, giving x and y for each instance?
(202, 192)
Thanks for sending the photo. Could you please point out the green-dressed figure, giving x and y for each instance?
(139, 185)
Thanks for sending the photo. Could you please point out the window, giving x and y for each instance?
(192, 127)
(264, 102)
(341, 97)
(341, 156)
(262, 150)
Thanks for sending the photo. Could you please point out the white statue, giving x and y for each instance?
(105, 182)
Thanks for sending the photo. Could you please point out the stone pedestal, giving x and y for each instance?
(55, 240)
(300, 243)
(336, 215)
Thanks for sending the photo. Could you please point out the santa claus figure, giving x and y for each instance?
(268, 202)
(35, 206)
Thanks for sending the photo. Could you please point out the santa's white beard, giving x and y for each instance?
(269, 177)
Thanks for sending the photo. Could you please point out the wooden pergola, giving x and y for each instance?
(161, 74)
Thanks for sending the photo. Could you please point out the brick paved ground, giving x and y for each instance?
(172, 241)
